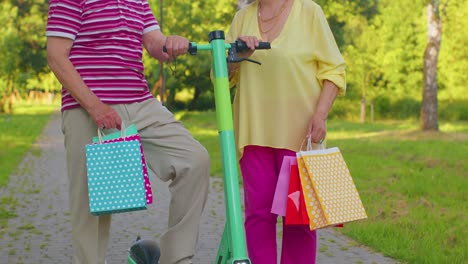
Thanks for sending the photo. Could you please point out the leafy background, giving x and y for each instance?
(383, 43)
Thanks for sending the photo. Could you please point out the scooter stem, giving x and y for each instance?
(234, 233)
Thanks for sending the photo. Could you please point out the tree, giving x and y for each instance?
(193, 20)
(428, 118)
(363, 69)
(10, 43)
(22, 45)
(453, 58)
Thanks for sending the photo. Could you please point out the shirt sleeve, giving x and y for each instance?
(150, 22)
(331, 65)
(64, 19)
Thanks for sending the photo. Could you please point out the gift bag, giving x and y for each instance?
(296, 212)
(280, 198)
(329, 190)
(115, 177)
(131, 133)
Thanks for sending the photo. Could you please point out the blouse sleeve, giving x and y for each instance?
(331, 65)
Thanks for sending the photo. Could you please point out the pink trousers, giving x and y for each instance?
(260, 168)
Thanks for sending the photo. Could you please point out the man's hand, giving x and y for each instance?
(105, 116)
(154, 41)
(176, 46)
(58, 50)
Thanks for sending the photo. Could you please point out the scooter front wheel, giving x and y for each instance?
(144, 251)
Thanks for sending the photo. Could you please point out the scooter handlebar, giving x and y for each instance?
(191, 48)
(264, 45)
(241, 46)
(238, 45)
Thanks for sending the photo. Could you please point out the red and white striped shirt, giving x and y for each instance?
(107, 48)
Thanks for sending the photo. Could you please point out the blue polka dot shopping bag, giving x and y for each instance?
(115, 176)
(131, 133)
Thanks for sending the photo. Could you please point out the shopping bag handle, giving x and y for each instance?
(308, 140)
(123, 132)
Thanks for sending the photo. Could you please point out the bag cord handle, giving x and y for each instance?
(123, 132)
(309, 145)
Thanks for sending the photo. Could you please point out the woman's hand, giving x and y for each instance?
(251, 42)
(317, 129)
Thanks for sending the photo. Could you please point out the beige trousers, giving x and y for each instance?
(171, 153)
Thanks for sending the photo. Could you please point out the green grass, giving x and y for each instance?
(203, 127)
(413, 184)
(18, 133)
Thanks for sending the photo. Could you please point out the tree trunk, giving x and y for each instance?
(6, 104)
(197, 94)
(428, 119)
(10, 105)
(2, 105)
(363, 110)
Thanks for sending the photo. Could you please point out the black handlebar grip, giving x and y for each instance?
(264, 45)
(191, 49)
(241, 46)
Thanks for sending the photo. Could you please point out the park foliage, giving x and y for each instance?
(383, 43)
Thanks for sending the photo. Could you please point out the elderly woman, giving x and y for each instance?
(276, 106)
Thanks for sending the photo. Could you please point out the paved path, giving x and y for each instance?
(41, 231)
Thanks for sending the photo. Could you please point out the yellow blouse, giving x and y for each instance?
(275, 101)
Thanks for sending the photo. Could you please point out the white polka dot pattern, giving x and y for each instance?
(314, 210)
(149, 192)
(115, 177)
(131, 133)
(329, 190)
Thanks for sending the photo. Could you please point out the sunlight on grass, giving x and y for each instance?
(28, 108)
(204, 132)
(401, 130)
(19, 131)
(454, 127)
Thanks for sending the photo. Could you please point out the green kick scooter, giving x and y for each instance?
(232, 249)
